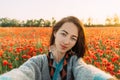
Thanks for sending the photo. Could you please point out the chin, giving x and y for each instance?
(63, 51)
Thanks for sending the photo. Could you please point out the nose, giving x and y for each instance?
(66, 41)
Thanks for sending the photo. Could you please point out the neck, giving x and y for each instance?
(57, 55)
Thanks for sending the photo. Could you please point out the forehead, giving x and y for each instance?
(70, 28)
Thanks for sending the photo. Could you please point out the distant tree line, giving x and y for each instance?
(109, 21)
(7, 22)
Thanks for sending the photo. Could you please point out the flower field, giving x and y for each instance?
(19, 44)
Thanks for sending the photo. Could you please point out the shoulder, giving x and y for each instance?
(77, 62)
(37, 59)
(35, 62)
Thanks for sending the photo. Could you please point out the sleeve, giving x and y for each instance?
(83, 71)
(30, 70)
(5, 78)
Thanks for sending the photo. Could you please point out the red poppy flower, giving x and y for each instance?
(5, 62)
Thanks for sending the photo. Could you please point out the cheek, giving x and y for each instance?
(58, 39)
(73, 44)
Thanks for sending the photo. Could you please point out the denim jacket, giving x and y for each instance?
(36, 68)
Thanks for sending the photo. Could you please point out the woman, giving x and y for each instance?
(64, 59)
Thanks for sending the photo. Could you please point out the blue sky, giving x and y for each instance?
(46, 9)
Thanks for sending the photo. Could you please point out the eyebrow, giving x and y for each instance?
(67, 33)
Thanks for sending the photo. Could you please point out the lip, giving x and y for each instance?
(63, 46)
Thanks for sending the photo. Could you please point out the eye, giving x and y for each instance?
(73, 39)
(63, 34)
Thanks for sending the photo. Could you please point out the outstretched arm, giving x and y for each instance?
(28, 71)
(83, 71)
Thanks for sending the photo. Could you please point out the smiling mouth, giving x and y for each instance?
(63, 47)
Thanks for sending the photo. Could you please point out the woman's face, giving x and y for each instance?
(66, 37)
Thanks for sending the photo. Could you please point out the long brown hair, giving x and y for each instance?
(80, 46)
